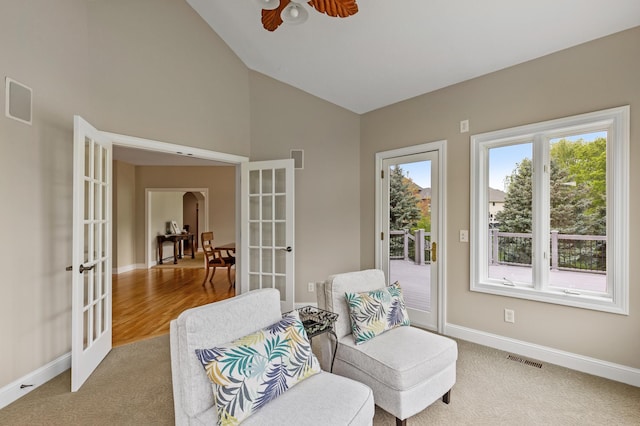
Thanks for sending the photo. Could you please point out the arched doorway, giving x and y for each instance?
(192, 218)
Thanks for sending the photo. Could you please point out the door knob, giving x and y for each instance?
(86, 268)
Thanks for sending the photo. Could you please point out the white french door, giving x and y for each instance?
(267, 228)
(409, 222)
(91, 257)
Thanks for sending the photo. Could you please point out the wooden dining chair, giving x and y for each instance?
(214, 259)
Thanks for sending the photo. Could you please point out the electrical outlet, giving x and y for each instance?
(464, 126)
(311, 287)
(464, 236)
(509, 316)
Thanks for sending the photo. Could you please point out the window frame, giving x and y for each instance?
(616, 122)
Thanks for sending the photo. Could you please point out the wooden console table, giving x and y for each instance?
(177, 248)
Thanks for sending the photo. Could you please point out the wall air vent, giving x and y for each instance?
(18, 101)
(298, 158)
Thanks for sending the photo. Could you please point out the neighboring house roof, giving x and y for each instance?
(496, 196)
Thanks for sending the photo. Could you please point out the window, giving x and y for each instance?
(561, 233)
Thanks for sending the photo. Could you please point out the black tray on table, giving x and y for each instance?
(316, 320)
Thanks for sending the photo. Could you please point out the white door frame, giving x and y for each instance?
(441, 148)
(170, 148)
(150, 253)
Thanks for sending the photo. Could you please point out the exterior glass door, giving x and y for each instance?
(410, 218)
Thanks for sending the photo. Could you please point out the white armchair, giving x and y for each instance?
(321, 399)
(407, 368)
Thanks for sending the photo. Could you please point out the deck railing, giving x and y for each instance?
(404, 245)
(568, 252)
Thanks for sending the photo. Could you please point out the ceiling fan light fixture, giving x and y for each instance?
(294, 13)
(268, 4)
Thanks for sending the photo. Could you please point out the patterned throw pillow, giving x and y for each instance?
(253, 370)
(374, 312)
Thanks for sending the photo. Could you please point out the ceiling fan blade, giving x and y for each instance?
(335, 8)
(271, 19)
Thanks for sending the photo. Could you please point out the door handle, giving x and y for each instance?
(82, 268)
(86, 268)
(433, 251)
(288, 249)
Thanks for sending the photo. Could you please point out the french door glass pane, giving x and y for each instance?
(281, 181)
(267, 181)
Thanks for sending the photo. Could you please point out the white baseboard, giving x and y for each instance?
(128, 268)
(596, 367)
(31, 381)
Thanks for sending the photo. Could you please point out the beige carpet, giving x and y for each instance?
(186, 262)
(132, 386)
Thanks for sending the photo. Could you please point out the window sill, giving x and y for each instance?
(584, 301)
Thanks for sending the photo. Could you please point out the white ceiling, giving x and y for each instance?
(396, 49)
(142, 157)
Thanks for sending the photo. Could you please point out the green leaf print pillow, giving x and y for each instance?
(374, 312)
(253, 370)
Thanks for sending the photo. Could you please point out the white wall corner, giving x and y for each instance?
(33, 380)
(596, 367)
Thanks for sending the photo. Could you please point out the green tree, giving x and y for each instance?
(577, 201)
(585, 165)
(516, 214)
(423, 223)
(577, 190)
(404, 212)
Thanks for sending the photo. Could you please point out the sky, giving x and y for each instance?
(502, 162)
(419, 172)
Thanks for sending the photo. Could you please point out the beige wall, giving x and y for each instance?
(597, 75)
(124, 197)
(327, 236)
(222, 197)
(164, 206)
(148, 68)
(158, 71)
(35, 179)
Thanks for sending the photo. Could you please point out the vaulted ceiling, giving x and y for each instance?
(393, 50)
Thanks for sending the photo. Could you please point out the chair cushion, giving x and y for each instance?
(337, 285)
(323, 399)
(255, 369)
(212, 325)
(374, 312)
(400, 358)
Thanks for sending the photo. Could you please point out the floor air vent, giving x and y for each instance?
(525, 361)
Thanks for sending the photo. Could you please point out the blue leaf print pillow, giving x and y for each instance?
(251, 371)
(374, 312)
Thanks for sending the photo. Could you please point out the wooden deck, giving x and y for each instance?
(414, 280)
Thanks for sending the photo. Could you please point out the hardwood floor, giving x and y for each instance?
(145, 301)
